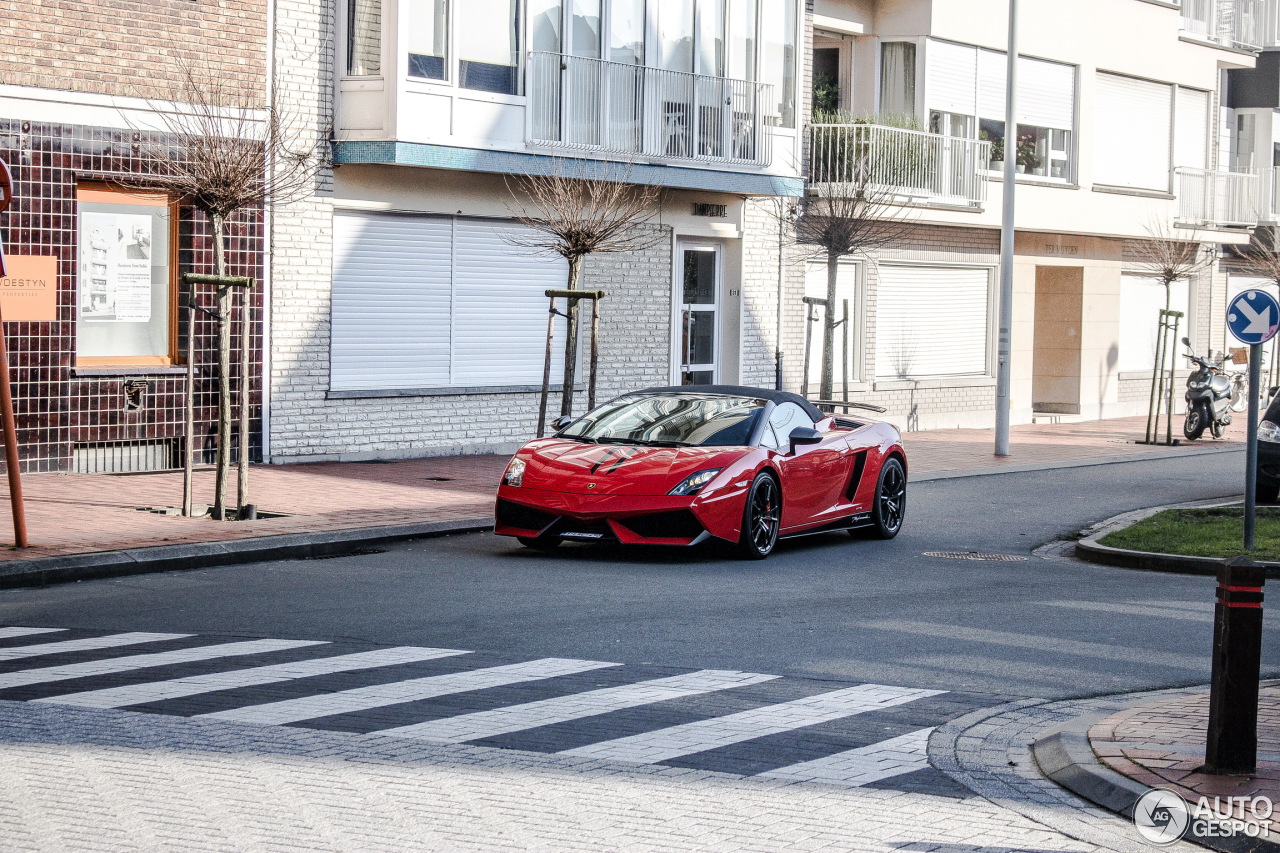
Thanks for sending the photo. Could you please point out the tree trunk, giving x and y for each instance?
(571, 338)
(827, 383)
(223, 462)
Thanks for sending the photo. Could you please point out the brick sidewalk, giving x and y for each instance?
(89, 513)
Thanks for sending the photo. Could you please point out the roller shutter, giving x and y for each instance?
(951, 81)
(1191, 129)
(1132, 136)
(435, 302)
(932, 321)
(1141, 300)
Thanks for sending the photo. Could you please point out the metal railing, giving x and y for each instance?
(1269, 195)
(589, 104)
(910, 164)
(1242, 24)
(1219, 199)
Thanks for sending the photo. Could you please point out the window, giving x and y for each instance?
(428, 35)
(785, 418)
(418, 302)
(1142, 298)
(489, 46)
(778, 57)
(126, 277)
(1133, 129)
(364, 37)
(932, 321)
(898, 78)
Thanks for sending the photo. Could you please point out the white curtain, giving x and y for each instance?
(898, 78)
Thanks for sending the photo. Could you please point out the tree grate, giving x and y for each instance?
(976, 555)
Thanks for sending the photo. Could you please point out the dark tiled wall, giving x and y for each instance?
(55, 407)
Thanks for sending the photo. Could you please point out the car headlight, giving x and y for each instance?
(1268, 431)
(694, 482)
(515, 473)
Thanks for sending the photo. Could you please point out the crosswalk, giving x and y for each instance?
(752, 724)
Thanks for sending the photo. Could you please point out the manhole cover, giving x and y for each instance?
(976, 555)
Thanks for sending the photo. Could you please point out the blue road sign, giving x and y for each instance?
(1253, 317)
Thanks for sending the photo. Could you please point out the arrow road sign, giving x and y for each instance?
(1253, 317)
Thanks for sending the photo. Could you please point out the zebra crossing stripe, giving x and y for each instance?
(545, 712)
(864, 765)
(702, 735)
(399, 692)
(177, 688)
(108, 642)
(6, 633)
(48, 674)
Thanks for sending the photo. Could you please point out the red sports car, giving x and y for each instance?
(680, 465)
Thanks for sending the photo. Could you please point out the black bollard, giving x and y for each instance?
(1232, 746)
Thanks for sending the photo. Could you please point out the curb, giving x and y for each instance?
(1066, 757)
(165, 558)
(1088, 548)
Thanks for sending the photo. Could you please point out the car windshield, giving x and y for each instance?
(670, 420)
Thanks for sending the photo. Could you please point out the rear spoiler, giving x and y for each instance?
(840, 404)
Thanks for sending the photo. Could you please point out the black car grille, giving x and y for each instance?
(677, 524)
(521, 516)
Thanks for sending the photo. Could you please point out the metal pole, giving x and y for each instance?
(1168, 409)
(595, 353)
(845, 321)
(6, 397)
(189, 398)
(546, 370)
(1231, 745)
(808, 341)
(1251, 447)
(1003, 359)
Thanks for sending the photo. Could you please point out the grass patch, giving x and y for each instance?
(1216, 532)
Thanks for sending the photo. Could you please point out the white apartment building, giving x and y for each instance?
(405, 322)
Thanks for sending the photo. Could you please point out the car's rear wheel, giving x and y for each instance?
(539, 543)
(761, 519)
(890, 501)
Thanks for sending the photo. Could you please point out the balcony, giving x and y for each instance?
(906, 166)
(632, 111)
(1240, 24)
(1218, 199)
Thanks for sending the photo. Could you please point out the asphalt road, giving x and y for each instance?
(826, 607)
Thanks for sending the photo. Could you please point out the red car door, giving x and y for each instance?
(814, 477)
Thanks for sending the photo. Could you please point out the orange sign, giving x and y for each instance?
(30, 289)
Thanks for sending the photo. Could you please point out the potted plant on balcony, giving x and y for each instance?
(1026, 153)
(997, 152)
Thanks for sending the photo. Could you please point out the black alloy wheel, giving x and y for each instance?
(890, 501)
(539, 543)
(1193, 426)
(762, 519)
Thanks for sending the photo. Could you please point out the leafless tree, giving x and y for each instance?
(572, 214)
(855, 215)
(224, 152)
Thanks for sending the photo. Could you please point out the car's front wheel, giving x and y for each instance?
(761, 519)
(891, 500)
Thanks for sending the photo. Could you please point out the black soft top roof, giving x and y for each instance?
(741, 391)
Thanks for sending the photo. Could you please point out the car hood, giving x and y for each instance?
(560, 465)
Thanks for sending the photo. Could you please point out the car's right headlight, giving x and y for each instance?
(515, 473)
(1268, 431)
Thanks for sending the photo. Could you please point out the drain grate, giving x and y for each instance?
(976, 555)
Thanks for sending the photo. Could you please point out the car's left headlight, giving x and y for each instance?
(693, 484)
(515, 473)
(1268, 431)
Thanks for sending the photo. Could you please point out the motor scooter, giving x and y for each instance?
(1209, 397)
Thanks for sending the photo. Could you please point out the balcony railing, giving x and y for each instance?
(1240, 24)
(1269, 196)
(630, 110)
(908, 165)
(1218, 199)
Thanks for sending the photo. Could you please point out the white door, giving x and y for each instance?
(698, 292)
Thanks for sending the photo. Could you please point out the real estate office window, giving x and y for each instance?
(126, 302)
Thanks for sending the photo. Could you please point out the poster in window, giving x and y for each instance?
(115, 259)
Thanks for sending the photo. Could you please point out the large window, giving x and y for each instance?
(437, 302)
(364, 37)
(932, 322)
(125, 277)
(489, 46)
(898, 78)
(428, 39)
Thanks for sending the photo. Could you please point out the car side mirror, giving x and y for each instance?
(562, 422)
(803, 435)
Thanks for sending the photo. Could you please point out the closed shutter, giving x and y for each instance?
(437, 302)
(1132, 130)
(1046, 93)
(1191, 129)
(1141, 300)
(993, 70)
(951, 81)
(500, 308)
(932, 321)
(815, 284)
(390, 314)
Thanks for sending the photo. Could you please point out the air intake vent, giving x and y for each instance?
(118, 457)
(716, 211)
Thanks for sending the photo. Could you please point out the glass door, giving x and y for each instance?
(699, 307)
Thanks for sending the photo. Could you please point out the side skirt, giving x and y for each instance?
(849, 522)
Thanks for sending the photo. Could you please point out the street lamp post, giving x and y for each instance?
(1007, 236)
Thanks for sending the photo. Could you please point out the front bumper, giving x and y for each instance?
(629, 519)
(1269, 463)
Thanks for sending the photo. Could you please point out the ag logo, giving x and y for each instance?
(1161, 816)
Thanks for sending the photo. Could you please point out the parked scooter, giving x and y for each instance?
(1209, 397)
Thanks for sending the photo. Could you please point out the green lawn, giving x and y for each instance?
(1216, 532)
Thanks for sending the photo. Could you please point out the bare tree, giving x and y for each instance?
(223, 153)
(853, 215)
(574, 215)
